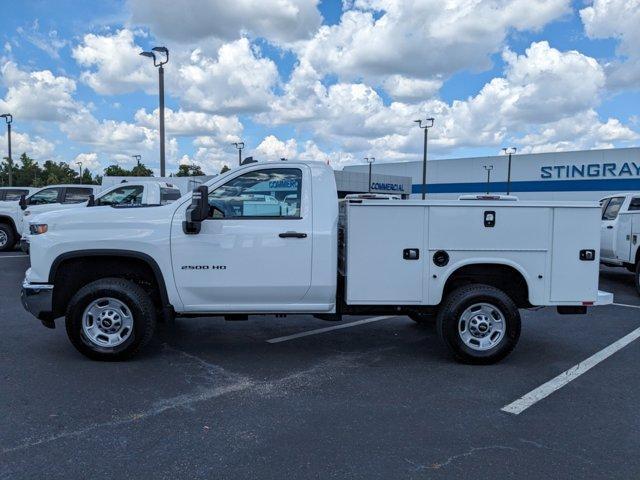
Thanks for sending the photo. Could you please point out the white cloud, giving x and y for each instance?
(114, 63)
(543, 90)
(239, 80)
(49, 43)
(272, 149)
(619, 19)
(193, 20)
(38, 95)
(409, 90)
(188, 123)
(35, 147)
(422, 39)
(89, 162)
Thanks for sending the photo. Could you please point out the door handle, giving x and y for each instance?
(292, 235)
(609, 227)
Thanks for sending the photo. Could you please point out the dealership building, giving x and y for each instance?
(579, 175)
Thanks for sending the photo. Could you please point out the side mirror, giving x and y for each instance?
(23, 202)
(92, 201)
(197, 211)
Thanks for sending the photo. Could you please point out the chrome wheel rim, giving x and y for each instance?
(481, 326)
(107, 322)
(3, 238)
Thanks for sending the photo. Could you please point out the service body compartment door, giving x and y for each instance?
(574, 279)
(385, 254)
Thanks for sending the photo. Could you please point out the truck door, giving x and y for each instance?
(254, 251)
(609, 228)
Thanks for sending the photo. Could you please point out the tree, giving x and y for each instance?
(189, 171)
(139, 170)
(224, 169)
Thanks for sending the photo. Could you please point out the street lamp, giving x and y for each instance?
(239, 146)
(488, 168)
(370, 161)
(137, 157)
(160, 64)
(509, 151)
(9, 118)
(80, 165)
(426, 126)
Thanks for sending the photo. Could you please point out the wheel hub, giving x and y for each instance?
(481, 326)
(107, 322)
(3, 238)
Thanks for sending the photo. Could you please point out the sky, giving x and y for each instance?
(333, 81)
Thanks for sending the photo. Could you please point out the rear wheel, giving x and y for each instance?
(638, 277)
(110, 319)
(479, 324)
(7, 237)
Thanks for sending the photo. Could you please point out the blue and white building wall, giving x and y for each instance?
(579, 175)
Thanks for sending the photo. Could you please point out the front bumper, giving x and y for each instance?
(37, 299)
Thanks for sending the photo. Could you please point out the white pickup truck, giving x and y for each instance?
(62, 197)
(219, 252)
(13, 213)
(620, 232)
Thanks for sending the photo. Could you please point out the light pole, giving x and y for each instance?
(9, 118)
(137, 157)
(370, 161)
(509, 151)
(160, 64)
(80, 166)
(427, 125)
(488, 168)
(239, 146)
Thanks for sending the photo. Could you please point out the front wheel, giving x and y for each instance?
(110, 319)
(637, 275)
(7, 237)
(479, 324)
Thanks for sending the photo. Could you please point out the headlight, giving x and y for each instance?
(38, 228)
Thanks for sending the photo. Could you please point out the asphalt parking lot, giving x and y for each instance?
(380, 399)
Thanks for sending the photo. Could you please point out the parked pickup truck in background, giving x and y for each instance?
(124, 195)
(13, 194)
(470, 263)
(53, 197)
(620, 233)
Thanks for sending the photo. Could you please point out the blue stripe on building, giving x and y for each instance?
(613, 185)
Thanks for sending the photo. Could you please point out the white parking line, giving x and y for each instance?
(14, 256)
(565, 377)
(625, 305)
(327, 329)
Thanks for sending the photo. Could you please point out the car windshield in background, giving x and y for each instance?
(128, 195)
(168, 195)
(14, 195)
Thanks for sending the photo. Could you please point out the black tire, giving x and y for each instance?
(8, 236)
(453, 307)
(637, 277)
(133, 297)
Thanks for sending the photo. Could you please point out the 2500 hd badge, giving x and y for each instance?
(204, 267)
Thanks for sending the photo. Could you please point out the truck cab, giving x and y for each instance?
(620, 232)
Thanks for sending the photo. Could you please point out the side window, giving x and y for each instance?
(635, 204)
(77, 194)
(271, 192)
(613, 207)
(46, 196)
(168, 195)
(603, 205)
(14, 194)
(129, 195)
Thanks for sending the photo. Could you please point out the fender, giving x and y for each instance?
(115, 253)
(478, 261)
